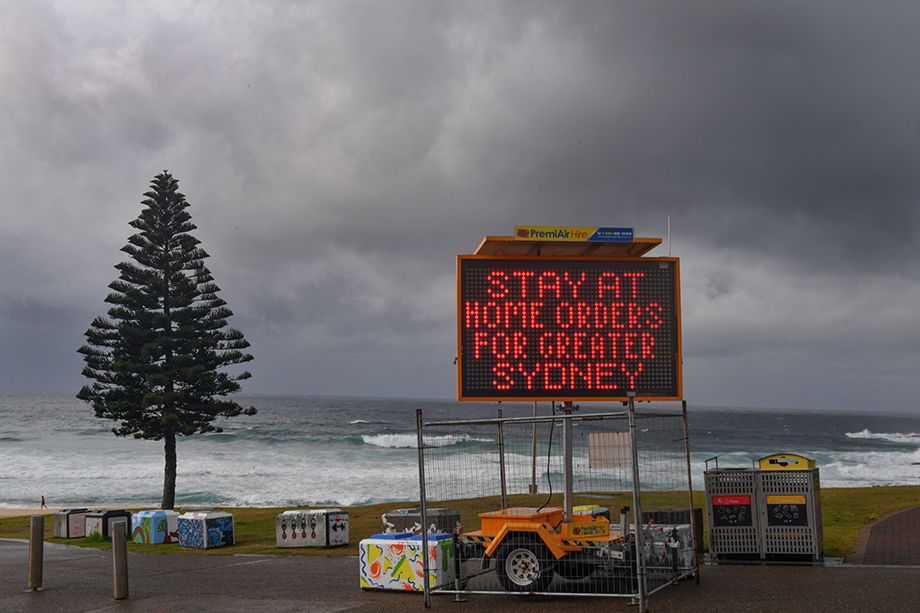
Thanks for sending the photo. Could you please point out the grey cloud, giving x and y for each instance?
(339, 155)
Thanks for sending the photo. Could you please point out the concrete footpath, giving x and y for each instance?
(79, 580)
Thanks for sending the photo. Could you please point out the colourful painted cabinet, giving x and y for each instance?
(312, 528)
(394, 561)
(155, 527)
(206, 529)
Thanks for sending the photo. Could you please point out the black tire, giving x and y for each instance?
(523, 565)
(574, 569)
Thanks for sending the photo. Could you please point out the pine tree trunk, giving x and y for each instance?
(169, 478)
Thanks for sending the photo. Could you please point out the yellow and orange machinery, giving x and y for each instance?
(527, 546)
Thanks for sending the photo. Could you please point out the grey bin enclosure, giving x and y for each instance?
(731, 508)
(790, 506)
(70, 523)
(771, 510)
(439, 521)
(101, 521)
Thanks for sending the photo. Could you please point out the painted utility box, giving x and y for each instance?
(410, 520)
(393, 561)
(206, 529)
(155, 527)
(70, 523)
(100, 521)
(311, 528)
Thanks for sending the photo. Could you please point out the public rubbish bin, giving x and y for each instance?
(731, 508)
(771, 509)
(70, 523)
(790, 506)
(100, 521)
(410, 520)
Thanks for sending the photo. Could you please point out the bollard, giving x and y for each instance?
(36, 551)
(458, 584)
(120, 557)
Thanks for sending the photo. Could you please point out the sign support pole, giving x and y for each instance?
(501, 460)
(567, 410)
(533, 439)
(637, 505)
(424, 511)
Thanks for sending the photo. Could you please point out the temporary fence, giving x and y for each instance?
(561, 504)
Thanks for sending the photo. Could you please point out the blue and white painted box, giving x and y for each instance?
(206, 529)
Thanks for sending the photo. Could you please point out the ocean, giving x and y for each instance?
(340, 451)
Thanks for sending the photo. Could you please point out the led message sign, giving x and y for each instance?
(568, 329)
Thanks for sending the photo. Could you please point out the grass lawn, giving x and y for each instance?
(844, 512)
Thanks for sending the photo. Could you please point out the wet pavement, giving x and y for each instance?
(883, 575)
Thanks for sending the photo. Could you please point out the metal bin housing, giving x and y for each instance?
(731, 509)
(439, 520)
(70, 523)
(790, 506)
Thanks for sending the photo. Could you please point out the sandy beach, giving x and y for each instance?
(6, 513)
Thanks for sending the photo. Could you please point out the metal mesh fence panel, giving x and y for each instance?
(506, 478)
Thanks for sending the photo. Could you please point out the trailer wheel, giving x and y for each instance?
(524, 566)
(575, 569)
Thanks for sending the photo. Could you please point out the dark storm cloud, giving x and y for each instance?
(754, 125)
(338, 155)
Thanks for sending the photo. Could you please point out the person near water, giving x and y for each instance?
(43, 503)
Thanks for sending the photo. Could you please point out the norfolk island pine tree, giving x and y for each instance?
(157, 361)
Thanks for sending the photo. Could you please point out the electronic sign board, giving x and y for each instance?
(574, 328)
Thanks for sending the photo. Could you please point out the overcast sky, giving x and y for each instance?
(338, 156)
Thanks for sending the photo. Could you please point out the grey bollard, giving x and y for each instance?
(120, 557)
(36, 551)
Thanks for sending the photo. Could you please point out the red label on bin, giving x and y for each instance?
(731, 500)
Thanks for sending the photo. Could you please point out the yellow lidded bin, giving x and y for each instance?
(788, 461)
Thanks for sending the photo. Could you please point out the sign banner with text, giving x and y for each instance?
(569, 233)
(568, 328)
